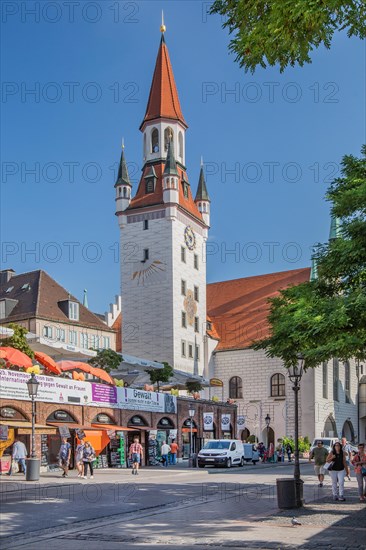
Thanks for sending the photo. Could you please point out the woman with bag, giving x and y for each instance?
(359, 463)
(337, 470)
(88, 457)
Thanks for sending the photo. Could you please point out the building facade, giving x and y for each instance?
(47, 310)
(163, 231)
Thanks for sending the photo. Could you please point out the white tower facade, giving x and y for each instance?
(163, 241)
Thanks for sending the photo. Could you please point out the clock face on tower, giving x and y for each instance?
(190, 238)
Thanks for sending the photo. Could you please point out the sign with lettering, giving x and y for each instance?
(216, 382)
(13, 385)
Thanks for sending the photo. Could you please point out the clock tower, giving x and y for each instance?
(163, 233)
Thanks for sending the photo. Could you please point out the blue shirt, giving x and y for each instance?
(19, 450)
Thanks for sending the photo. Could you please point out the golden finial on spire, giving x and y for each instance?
(123, 143)
(201, 161)
(162, 26)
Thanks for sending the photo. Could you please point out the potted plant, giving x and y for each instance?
(193, 387)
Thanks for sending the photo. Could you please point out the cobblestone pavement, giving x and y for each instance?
(191, 510)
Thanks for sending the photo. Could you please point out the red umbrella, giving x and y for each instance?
(15, 357)
(103, 375)
(48, 362)
(74, 365)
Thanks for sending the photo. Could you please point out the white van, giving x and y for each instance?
(221, 452)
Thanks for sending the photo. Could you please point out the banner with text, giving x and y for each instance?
(13, 385)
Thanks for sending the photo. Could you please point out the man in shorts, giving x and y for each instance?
(319, 454)
(136, 454)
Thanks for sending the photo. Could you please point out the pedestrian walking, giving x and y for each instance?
(79, 458)
(320, 455)
(19, 454)
(173, 452)
(337, 470)
(289, 451)
(88, 459)
(165, 450)
(348, 450)
(136, 454)
(64, 456)
(359, 463)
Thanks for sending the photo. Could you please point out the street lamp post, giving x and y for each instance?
(268, 422)
(191, 413)
(33, 464)
(295, 374)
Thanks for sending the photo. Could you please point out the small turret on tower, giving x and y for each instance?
(202, 199)
(123, 185)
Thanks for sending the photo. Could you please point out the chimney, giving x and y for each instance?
(6, 275)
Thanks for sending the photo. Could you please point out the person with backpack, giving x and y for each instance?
(359, 463)
(88, 459)
(64, 456)
(289, 451)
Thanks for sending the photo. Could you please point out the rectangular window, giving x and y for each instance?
(183, 254)
(149, 186)
(106, 342)
(325, 380)
(73, 337)
(190, 351)
(74, 311)
(335, 379)
(196, 324)
(60, 335)
(347, 382)
(146, 254)
(2, 309)
(183, 348)
(197, 353)
(196, 293)
(47, 332)
(195, 261)
(84, 340)
(183, 285)
(184, 319)
(146, 225)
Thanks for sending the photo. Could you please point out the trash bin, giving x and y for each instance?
(192, 462)
(33, 468)
(289, 493)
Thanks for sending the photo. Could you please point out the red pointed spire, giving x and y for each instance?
(163, 99)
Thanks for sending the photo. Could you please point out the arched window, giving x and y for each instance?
(204, 207)
(278, 387)
(124, 192)
(347, 382)
(235, 388)
(180, 144)
(155, 140)
(145, 149)
(168, 135)
(149, 186)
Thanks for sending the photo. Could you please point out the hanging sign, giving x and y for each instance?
(225, 422)
(208, 423)
(216, 382)
(4, 433)
(64, 431)
(240, 424)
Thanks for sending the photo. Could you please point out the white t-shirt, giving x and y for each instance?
(165, 449)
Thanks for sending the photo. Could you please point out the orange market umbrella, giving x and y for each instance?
(15, 357)
(47, 362)
(73, 365)
(103, 375)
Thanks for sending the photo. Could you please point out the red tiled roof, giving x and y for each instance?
(142, 199)
(238, 309)
(41, 300)
(163, 99)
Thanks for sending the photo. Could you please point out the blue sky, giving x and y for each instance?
(272, 142)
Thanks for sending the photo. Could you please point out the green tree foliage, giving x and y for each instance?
(267, 32)
(327, 318)
(18, 340)
(193, 386)
(106, 359)
(160, 375)
(304, 443)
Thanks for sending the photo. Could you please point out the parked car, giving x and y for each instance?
(328, 442)
(221, 452)
(250, 453)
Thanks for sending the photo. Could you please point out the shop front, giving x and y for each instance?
(66, 426)
(186, 437)
(114, 453)
(139, 428)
